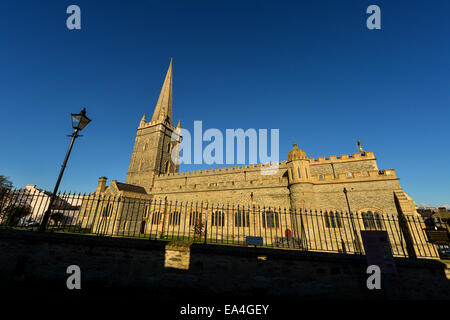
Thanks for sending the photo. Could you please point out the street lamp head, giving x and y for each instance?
(79, 120)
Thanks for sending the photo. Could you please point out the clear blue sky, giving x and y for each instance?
(310, 68)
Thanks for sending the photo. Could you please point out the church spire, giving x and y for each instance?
(142, 123)
(163, 109)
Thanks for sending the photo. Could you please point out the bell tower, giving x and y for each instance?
(153, 145)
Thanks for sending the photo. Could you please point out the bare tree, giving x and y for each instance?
(5, 183)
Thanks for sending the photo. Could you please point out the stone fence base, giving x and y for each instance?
(33, 263)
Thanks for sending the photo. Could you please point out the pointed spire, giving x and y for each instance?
(143, 121)
(163, 109)
(178, 131)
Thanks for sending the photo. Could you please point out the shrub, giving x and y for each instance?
(13, 213)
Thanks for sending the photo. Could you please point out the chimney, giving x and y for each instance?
(101, 184)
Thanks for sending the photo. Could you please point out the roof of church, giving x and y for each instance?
(130, 187)
(296, 154)
(163, 109)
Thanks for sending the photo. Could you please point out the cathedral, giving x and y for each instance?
(345, 183)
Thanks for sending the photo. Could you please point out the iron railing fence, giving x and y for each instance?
(208, 222)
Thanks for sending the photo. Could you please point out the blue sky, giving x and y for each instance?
(310, 68)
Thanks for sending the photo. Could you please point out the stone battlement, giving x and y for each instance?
(343, 157)
(271, 181)
(357, 175)
(223, 170)
(153, 123)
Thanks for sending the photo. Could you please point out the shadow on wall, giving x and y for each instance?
(142, 269)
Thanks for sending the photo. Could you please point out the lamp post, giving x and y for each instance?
(79, 121)
(357, 243)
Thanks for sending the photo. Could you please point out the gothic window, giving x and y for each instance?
(270, 219)
(332, 220)
(372, 220)
(337, 216)
(107, 210)
(241, 219)
(194, 218)
(156, 219)
(145, 145)
(327, 219)
(174, 218)
(147, 208)
(217, 219)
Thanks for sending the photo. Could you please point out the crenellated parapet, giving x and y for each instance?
(272, 181)
(144, 124)
(223, 170)
(343, 158)
(356, 176)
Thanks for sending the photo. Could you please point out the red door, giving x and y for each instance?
(288, 233)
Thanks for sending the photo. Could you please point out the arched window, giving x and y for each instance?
(270, 219)
(332, 219)
(306, 172)
(107, 210)
(336, 218)
(169, 147)
(145, 145)
(156, 217)
(241, 219)
(174, 218)
(327, 219)
(217, 219)
(299, 174)
(372, 220)
(194, 218)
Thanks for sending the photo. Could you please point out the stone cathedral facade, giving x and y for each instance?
(300, 182)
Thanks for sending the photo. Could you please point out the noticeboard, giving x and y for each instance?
(253, 241)
(378, 250)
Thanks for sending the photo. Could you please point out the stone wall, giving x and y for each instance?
(37, 262)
